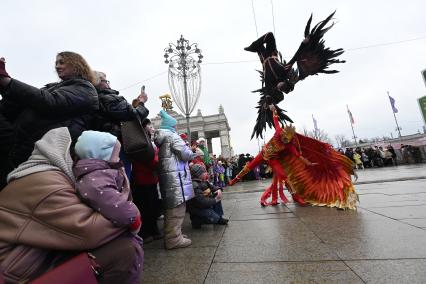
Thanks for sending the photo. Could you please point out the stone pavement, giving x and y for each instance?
(384, 241)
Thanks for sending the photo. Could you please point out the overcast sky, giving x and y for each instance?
(126, 39)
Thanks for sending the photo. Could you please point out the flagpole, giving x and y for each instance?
(315, 127)
(356, 143)
(396, 121)
(397, 126)
(352, 126)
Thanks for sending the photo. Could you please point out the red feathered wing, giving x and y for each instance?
(326, 184)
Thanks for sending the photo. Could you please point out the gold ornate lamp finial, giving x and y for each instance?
(166, 102)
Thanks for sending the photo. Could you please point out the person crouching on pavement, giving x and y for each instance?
(175, 180)
(206, 206)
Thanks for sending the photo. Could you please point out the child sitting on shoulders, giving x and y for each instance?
(102, 183)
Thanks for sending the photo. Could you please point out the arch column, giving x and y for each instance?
(209, 145)
(201, 134)
(225, 144)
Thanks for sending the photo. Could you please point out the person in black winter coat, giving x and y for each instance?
(206, 206)
(6, 136)
(32, 112)
(114, 108)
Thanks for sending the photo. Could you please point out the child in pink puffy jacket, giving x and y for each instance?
(102, 183)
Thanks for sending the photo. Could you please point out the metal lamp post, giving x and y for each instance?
(184, 75)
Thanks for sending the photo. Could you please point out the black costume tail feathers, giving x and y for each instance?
(264, 114)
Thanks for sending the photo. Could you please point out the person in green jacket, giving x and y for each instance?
(206, 157)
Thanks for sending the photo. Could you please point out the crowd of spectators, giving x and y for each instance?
(378, 156)
(62, 164)
(67, 187)
(45, 218)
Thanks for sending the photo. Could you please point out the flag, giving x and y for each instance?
(392, 102)
(315, 123)
(351, 118)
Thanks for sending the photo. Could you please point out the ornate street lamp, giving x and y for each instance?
(184, 75)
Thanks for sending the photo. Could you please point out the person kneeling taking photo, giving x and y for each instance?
(206, 206)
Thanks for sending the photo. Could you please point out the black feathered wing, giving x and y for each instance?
(313, 56)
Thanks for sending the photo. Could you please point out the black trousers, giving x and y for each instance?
(146, 199)
(273, 70)
(265, 46)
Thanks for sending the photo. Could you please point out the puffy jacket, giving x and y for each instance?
(6, 139)
(206, 156)
(71, 103)
(113, 109)
(174, 176)
(104, 187)
(49, 216)
(40, 212)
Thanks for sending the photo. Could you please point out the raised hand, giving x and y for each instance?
(219, 195)
(143, 97)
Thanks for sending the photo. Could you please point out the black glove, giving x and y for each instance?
(285, 86)
(3, 72)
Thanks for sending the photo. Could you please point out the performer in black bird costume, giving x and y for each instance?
(279, 77)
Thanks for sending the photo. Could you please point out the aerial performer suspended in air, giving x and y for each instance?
(280, 77)
(312, 171)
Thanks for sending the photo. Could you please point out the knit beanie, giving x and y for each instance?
(95, 145)
(197, 170)
(167, 121)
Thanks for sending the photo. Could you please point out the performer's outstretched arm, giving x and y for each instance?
(295, 152)
(247, 168)
(275, 118)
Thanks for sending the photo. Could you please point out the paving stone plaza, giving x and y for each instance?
(384, 241)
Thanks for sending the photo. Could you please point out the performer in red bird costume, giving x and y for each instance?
(313, 171)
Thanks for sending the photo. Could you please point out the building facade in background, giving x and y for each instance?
(204, 127)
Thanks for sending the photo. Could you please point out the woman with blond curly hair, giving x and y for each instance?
(32, 112)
